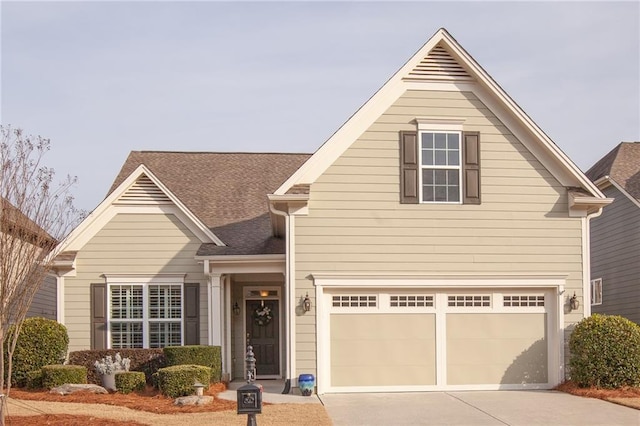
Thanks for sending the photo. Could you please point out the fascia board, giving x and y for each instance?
(242, 258)
(106, 211)
(620, 188)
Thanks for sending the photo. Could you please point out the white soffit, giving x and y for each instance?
(440, 61)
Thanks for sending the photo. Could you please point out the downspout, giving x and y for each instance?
(289, 297)
(586, 272)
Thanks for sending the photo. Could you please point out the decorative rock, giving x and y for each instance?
(67, 389)
(193, 400)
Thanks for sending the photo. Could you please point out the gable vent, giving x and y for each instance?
(143, 191)
(438, 65)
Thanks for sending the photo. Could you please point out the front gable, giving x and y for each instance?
(140, 193)
(443, 67)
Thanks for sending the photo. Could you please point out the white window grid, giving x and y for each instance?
(518, 300)
(354, 301)
(469, 301)
(596, 291)
(446, 162)
(411, 301)
(145, 315)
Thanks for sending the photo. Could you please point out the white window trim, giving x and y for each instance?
(144, 281)
(422, 167)
(593, 292)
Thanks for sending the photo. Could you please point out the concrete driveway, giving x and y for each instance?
(475, 408)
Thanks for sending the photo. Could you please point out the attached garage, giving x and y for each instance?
(402, 339)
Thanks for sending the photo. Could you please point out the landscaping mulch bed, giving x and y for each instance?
(627, 396)
(149, 400)
(66, 420)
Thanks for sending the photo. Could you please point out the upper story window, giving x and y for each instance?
(440, 164)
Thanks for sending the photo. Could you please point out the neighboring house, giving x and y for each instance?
(14, 224)
(432, 243)
(615, 234)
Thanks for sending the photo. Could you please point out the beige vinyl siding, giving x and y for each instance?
(357, 225)
(44, 302)
(140, 244)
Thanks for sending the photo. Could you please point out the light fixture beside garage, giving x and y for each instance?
(574, 303)
(306, 303)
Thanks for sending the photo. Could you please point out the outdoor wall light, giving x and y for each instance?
(264, 293)
(306, 303)
(574, 303)
(236, 309)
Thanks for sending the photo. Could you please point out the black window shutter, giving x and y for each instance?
(98, 316)
(192, 314)
(471, 167)
(409, 168)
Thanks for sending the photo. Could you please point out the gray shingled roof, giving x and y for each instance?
(622, 165)
(226, 191)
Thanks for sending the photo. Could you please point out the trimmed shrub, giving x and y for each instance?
(57, 375)
(129, 381)
(41, 342)
(178, 380)
(34, 379)
(605, 352)
(209, 356)
(147, 361)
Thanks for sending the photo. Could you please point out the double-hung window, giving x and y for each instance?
(440, 163)
(440, 166)
(145, 314)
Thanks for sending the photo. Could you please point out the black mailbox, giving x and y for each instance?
(249, 399)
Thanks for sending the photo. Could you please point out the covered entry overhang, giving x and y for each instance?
(236, 285)
(412, 333)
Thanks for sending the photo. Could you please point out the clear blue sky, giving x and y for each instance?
(102, 79)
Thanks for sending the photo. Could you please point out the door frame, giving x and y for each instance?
(252, 293)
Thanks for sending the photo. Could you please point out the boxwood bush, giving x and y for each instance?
(129, 381)
(41, 342)
(57, 375)
(605, 352)
(209, 356)
(178, 380)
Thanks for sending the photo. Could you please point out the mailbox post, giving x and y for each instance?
(250, 396)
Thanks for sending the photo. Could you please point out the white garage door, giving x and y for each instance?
(383, 339)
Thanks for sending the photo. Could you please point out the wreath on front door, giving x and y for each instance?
(262, 316)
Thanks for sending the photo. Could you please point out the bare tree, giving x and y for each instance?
(34, 216)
